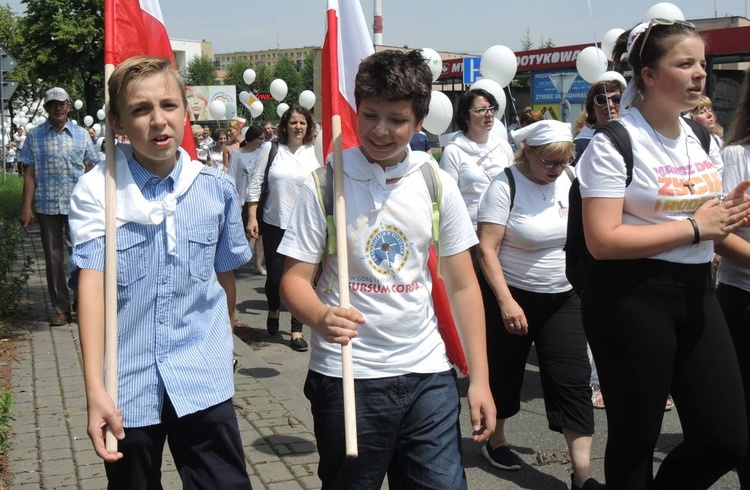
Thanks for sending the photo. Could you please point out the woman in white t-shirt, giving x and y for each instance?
(475, 155)
(241, 164)
(529, 299)
(293, 163)
(734, 268)
(216, 152)
(651, 318)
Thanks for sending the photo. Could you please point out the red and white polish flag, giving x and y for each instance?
(346, 44)
(135, 28)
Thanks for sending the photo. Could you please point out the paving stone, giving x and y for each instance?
(273, 472)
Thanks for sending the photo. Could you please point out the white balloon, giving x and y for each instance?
(231, 111)
(434, 62)
(24, 109)
(591, 64)
(217, 110)
(97, 129)
(282, 108)
(256, 108)
(615, 77)
(279, 89)
(609, 39)
(499, 129)
(74, 122)
(243, 131)
(664, 10)
(439, 114)
(318, 146)
(23, 121)
(249, 76)
(499, 64)
(88, 120)
(495, 89)
(307, 99)
(28, 127)
(244, 96)
(17, 120)
(78, 105)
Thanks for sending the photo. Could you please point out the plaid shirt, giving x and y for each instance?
(59, 159)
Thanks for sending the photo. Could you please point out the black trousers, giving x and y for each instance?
(736, 305)
(206, 447)
(556, 330)
(272, 236)
(656, 328)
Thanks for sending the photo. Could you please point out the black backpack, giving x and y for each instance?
(578, 261)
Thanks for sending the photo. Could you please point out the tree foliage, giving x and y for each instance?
(63, 45)
(526, 42)
(201, 71)
(286, 71)
(307, 72)
(235, 72)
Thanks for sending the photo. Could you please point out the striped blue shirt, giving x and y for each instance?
(174, 332)
(59, 159)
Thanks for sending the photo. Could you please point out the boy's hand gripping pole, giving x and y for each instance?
(347, 366)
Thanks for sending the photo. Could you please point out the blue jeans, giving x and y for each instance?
(407, 428)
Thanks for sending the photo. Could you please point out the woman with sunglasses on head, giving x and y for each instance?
(602, 105)
(475, 155)
(734, 268)
(527, 298)
(651, 318)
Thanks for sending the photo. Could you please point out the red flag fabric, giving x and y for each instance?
(134, 28)
(347, 43)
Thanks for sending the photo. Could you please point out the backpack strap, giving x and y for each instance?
(271, 157)
(570, 174)
(512, 185)
(435, 189)
(619, 136)
(701, 132)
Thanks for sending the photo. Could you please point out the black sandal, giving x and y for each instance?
(272, 325)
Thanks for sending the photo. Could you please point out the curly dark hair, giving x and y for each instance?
(394, 76)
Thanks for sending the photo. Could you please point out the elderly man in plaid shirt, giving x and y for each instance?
(56, 153)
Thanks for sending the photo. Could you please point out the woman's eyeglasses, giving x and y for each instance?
(602, 99)
(550, 164)
(660, 22)
(483, 111)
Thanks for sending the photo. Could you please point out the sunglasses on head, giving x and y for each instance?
(602, 99)
(660, 22)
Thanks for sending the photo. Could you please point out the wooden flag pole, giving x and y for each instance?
(347, 365)
(110, 265)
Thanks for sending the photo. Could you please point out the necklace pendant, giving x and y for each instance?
(690, 187)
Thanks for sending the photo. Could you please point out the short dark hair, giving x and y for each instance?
(461, 117)
(254, 131)
(393, 76)
(283, 135)
(602, 87)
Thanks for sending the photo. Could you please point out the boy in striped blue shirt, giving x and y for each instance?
(179, 238)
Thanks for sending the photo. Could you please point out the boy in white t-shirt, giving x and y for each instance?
(405, 389)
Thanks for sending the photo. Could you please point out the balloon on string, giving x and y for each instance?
(439, 114)
(16, 120)
(664, 10)
(499, 64)
(307, 99)
(434, 62)
(495, 89)
(244, 96)
(217, 110)
(243, 131)
(78, 105)
(24, 109)
(499, 129)
(282, 108)
(97, 129)
(609, 40)
(256, 108)
(614, 77)
(88, 121)
(23, 121)
(231, 111)
(28, 127)
(100, 114)
(248, 76)
(279, 89)
(591, 64)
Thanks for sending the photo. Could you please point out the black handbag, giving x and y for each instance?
(264, 186)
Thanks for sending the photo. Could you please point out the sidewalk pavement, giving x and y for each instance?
(51, 449)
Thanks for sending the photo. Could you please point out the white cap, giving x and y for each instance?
(543, 132)
(56, 93)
